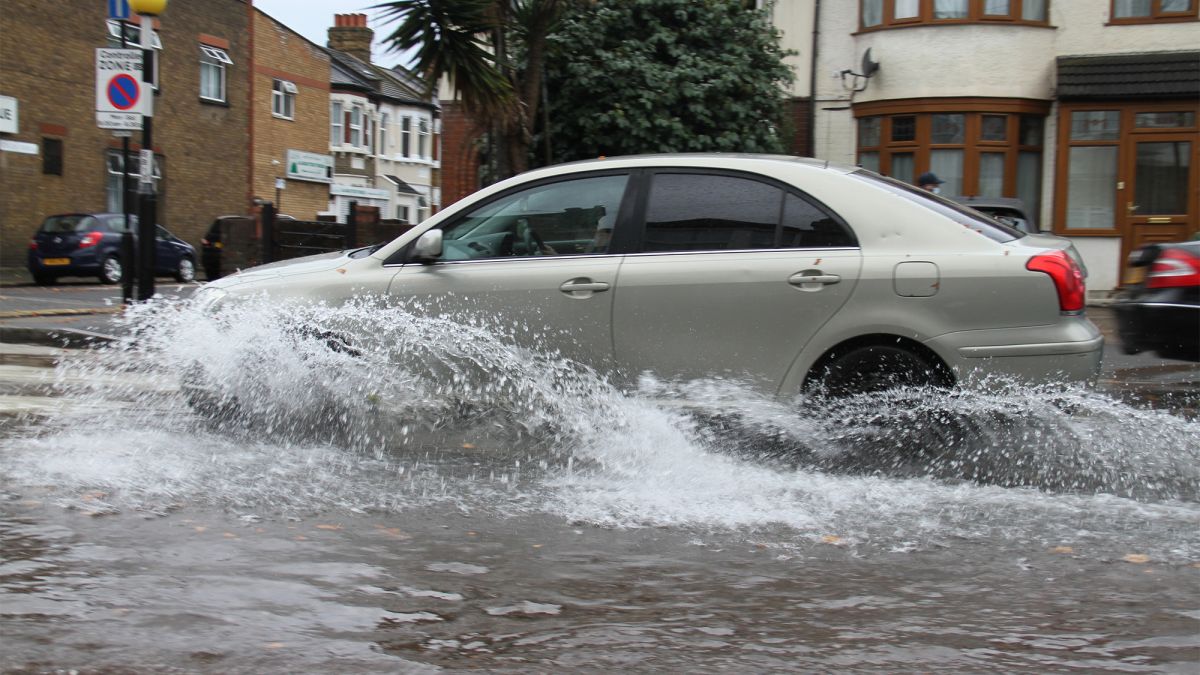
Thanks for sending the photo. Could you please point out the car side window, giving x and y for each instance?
(700, 212)
(806, 225)
(571, 217)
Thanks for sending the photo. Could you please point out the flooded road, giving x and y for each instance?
(434, 499)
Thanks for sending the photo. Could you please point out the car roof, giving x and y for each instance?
(699, 159)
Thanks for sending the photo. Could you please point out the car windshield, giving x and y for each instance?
(64, 224)
(967, 217)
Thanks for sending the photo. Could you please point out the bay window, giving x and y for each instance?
(876, 14)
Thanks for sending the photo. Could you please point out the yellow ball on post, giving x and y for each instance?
(148, 7)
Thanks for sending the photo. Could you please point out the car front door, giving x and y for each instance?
(533, 263)
(734, 276)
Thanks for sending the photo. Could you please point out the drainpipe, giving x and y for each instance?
(812, 80)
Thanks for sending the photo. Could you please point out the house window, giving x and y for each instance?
(212, 73)
(405, 135)
(1144, 11)
(52, 156)
(283, 99)
(114, 192)
(980, 149)
(896, 13)
(423, 138)
(354, 124)
(402, 213)
(133, 40)
(383, 125)
(335, 124)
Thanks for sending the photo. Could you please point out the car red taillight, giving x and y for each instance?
(90, 239)
(1174, 268)
(1067, 277)
(33, 244)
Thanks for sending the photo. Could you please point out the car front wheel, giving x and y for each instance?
(186, 272)
(110, 271)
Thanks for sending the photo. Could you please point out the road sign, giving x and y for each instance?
(118, 9)
(119, 86)
(119, 121)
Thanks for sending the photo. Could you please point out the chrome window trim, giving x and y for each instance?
(747, 250)
(508, 259)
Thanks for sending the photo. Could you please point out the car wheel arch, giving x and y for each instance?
(943, 375)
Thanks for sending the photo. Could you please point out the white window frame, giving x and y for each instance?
(283, 99)
(336, 131)
(356, 125)
(423, 138)
(406, 136)
(214, 60)
(383, 125)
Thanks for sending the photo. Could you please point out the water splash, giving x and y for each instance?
(376, 407)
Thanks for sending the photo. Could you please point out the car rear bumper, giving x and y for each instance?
(1067, 352)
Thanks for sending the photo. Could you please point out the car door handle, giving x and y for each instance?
(802, 279)
(584, 285)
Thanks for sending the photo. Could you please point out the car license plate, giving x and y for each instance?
(56, 261)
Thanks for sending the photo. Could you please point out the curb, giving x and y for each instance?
(68, 338)
(34, 313)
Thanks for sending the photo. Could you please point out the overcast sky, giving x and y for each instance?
(313, 19)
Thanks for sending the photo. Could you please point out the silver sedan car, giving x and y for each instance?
(789, 273)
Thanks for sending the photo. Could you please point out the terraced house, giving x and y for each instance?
(1086, 110)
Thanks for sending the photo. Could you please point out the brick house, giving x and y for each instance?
(290, 163)
(57, 159)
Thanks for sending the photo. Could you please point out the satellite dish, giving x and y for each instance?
(868, 66)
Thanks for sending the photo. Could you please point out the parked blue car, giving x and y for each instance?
(89, 244)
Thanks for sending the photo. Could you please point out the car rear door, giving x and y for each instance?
(734, 276)
(534, 262)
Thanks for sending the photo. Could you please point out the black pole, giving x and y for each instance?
(351, 239)
(268, 232)
(148, 213)
(128, 265)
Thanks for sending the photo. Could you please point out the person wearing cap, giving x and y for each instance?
(930, 181)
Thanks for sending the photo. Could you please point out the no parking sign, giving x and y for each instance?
(121, 96)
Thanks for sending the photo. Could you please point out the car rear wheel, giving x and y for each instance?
(873, 368)
(186, 272)
(110, 271)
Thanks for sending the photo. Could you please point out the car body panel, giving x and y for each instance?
(682, 315)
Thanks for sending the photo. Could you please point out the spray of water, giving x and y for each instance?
(375, 407)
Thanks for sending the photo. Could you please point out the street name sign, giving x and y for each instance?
(121, 96)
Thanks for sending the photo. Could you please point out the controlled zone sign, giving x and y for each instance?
(121, 96)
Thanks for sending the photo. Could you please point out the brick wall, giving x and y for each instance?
(48, 65)
(460, 155)
(279, 53)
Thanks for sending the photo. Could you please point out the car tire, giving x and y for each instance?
(873, 368)
(43, 279)
(110, 270)
(186, 272)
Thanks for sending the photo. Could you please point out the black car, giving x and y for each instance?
(89, 244)
(1161, 311)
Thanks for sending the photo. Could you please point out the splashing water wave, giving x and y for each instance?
(371, 407)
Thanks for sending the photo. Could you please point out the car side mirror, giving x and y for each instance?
(428, 247)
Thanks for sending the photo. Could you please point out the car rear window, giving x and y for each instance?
(117, 223)
(63, 224)
(988, 227)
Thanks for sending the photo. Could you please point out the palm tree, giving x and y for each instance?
(491, 52)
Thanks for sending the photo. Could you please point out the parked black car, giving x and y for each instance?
(1161, 311)
(212, 246)
(89, 244)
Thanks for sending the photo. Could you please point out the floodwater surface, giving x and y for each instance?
(427, 496)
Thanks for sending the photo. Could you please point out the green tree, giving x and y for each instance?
(492, 53)
(638, 76)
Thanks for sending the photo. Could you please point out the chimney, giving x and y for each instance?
(351, 35)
